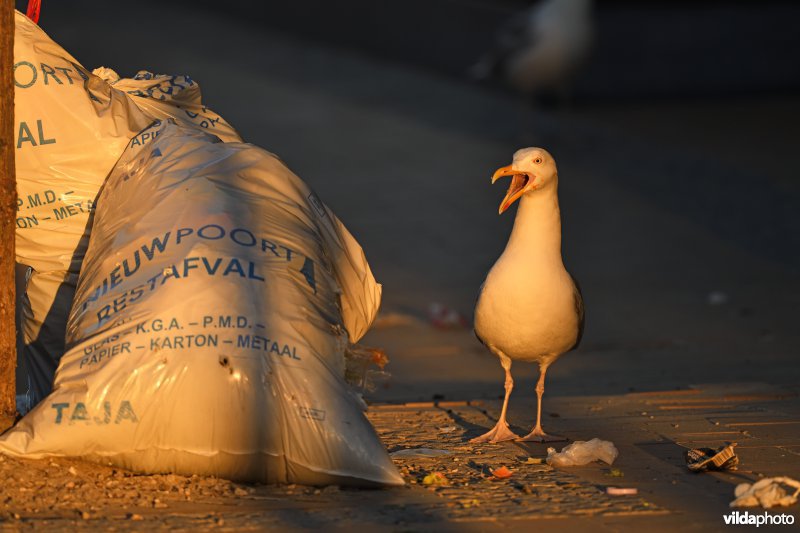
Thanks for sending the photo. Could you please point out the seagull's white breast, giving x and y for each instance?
(527, 305)
(527, 311)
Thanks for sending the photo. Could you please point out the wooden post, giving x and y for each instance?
(8, 216)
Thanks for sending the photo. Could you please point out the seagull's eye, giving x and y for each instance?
(538, 160)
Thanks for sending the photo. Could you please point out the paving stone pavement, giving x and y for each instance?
(651, 430)
(470, 490)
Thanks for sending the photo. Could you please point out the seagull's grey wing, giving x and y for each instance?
(579, 310)
(475, 331)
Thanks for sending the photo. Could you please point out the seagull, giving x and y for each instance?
(529, 308)
(541, 49)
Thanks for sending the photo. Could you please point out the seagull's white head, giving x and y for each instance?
(532, 169)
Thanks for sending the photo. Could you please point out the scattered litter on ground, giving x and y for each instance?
(723, 458)
(467, 503)
(435, 478)
(768, 492)
(359, 361)
(502, 473)
(622, 491)
(615, 472)
(419, 452)
(532, 460)
(583, 452)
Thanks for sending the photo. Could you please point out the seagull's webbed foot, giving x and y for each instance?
(538, 435)
(499, 433)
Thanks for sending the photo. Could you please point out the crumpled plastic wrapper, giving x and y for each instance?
(583, 452)
(723, 458)
(768, 492)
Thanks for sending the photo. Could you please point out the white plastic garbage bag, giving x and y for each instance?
(70, 129)
(209, 327)
(582, 453)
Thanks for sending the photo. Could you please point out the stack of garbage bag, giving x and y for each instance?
(217, 294)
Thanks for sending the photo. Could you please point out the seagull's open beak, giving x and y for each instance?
(521, 182)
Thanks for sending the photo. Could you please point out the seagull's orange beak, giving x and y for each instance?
(519, 185)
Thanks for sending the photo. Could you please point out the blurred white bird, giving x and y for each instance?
(530, 308)
(539, 51)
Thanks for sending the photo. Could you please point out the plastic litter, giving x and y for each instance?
(583, 452)
(419, 452)
(359, 363)
(723, 458)
(209, 328)
(767, 492)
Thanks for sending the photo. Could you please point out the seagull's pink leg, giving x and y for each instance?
(538, 434)
(500, 432)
